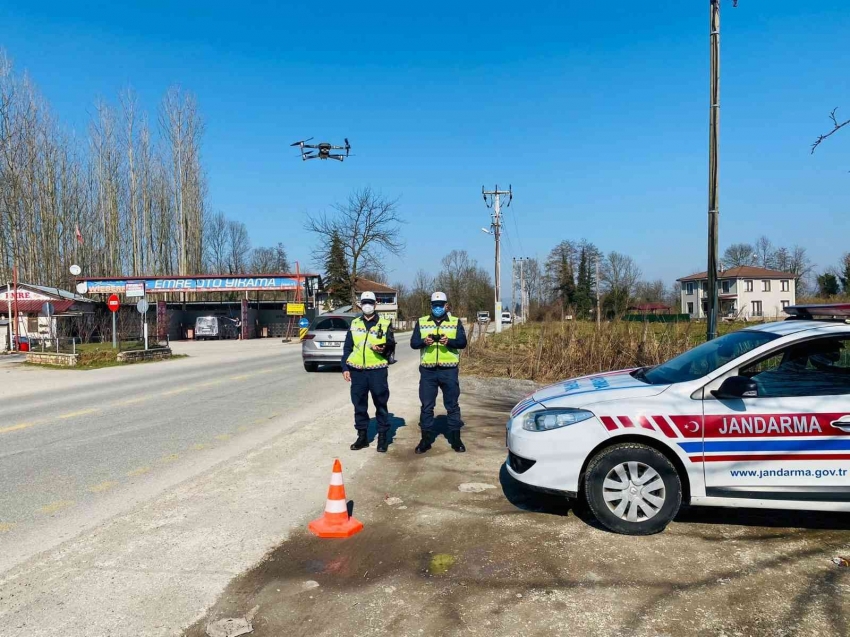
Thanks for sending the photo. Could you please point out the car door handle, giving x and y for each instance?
(842, 423)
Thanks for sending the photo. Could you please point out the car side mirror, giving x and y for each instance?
(736, 387)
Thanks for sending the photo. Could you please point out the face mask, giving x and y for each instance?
(438, 310)
(368, 309)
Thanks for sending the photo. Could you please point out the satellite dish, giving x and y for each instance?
(75, 270)
(82, 288)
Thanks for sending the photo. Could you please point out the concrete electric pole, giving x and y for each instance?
(713, 168)
(713, 186)
(494, 202)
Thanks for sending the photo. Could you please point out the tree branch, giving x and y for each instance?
(836, 128)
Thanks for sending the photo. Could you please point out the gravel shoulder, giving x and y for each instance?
(453, 546)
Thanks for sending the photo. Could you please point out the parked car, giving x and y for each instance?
(217, 327)
(324, 340)
(757, 418)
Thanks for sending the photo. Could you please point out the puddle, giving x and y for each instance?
(441, 563)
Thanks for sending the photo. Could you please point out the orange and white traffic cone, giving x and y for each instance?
(335, 521)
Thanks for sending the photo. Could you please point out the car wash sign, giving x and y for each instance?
(195, 284)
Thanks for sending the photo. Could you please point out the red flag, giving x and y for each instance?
(78, 234)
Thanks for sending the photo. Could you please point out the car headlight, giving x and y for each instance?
(554, 419)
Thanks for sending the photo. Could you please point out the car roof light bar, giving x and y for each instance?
(825, 311)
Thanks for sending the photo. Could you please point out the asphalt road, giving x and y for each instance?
(107, 474)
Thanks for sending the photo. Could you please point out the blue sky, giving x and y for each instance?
(595, 112)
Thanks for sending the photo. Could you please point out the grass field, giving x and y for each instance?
(546, 352)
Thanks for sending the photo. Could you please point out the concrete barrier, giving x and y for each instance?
(138, 355)
(52, 358)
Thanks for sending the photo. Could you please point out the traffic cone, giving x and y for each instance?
(335, 521)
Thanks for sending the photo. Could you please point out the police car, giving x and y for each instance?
(756, 418)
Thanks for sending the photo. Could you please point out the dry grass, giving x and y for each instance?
(547, 352)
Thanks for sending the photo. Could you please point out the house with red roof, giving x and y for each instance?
(745, 293)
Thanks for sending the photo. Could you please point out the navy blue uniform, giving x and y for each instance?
(369, 381)
(444, 379)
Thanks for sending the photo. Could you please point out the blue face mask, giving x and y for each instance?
(438, 310)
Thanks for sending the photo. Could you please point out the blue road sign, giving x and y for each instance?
(304, 322)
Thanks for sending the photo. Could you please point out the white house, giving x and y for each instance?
(746, 292)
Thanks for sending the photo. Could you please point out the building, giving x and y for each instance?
(386, 298)
(745, 293)
(264, 304)
(33, 323)
(650, 308)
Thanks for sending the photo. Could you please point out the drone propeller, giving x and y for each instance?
(347, 147)
(303, 141)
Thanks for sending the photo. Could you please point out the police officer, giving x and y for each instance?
(439, 338)
(369, 345)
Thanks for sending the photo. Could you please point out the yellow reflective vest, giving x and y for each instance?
(363, 356)
(437, 355)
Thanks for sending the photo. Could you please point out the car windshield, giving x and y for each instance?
(704, 359)
(331, 324)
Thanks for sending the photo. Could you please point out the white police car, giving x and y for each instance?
(756, 418)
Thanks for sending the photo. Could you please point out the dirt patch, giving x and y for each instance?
(437, 560)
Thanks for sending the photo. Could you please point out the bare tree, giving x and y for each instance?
(238, 247)
(216, 243)
(737, 255)
(765, 253)
(270, 260)
(369, 226)
(620, 274)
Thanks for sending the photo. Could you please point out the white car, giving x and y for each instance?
(506, 318)
(755, 418)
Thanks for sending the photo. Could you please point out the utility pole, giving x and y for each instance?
(494, 202)
(713, 166)
(513, 283)
(598, 308)
(522, 288)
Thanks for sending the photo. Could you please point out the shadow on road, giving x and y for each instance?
(396, 423)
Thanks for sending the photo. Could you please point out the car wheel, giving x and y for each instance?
(633, 489)
(311, 367)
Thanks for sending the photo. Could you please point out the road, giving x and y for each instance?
(150, 486)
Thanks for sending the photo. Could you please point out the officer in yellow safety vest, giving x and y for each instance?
(369, 346)
(439, 337)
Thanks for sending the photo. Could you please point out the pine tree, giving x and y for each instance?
(337, 275)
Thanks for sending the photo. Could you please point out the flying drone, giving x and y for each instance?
(322, 150)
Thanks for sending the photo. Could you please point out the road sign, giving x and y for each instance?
(113, 303)
(82, 287)
(295, 309)
(134, 289)
(75, 270)
(47, 309)
(142, 306)
(304, 322)
(302, 333)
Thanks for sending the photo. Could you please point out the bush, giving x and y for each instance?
(547, 352)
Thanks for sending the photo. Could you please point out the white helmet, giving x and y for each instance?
(367, 296)
(439, 297)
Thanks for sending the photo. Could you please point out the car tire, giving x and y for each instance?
(311, 367)
(649, 484)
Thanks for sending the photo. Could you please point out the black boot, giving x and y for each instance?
(362, 441)
(382, 443)
(424, 444)
(456, 442)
